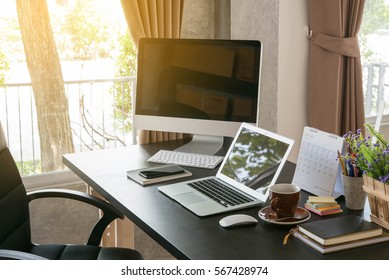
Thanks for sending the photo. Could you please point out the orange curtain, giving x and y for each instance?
(154, 19)
(336, 103)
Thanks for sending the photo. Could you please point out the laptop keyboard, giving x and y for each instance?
(220, 193)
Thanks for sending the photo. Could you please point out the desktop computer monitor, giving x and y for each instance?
(204, 87)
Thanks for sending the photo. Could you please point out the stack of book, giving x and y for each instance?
(322, 205)
(339, 233)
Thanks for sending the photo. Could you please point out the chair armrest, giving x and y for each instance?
(18, 255)
(110, 213)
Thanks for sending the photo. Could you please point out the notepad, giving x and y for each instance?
(322, 206)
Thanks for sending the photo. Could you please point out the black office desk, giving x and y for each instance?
(182, 233)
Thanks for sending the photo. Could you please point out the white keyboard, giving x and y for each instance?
(186, 159)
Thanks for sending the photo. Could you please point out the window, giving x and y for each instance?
(97, 60)
(374, 42)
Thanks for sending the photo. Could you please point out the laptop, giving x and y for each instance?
(252, 164)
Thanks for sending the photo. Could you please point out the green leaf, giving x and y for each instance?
(378, 135)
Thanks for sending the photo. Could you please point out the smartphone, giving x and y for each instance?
(161, 171)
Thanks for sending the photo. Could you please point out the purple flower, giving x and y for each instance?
(371, 158)
(384, 179)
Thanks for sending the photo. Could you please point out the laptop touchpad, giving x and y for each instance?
(189, 198)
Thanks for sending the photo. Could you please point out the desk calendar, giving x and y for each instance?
(317, 165)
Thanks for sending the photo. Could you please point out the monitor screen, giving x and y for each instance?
(198, 86)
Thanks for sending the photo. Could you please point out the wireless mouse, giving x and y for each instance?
(237, 220)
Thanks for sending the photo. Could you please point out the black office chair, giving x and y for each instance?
(15, 231)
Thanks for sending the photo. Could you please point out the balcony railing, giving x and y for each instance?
(376, 88)
(94, 121)
(96, 125)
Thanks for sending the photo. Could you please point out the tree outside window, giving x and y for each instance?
(91, 41)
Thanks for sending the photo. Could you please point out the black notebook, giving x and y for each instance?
(340, 229)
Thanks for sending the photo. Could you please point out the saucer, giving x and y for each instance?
(268, 215)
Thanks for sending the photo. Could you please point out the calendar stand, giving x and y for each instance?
(317, 166)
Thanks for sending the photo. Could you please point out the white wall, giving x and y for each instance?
(293, 54)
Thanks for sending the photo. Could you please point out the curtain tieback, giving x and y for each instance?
(343, 46)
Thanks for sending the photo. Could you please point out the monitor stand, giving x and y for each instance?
(202, 144)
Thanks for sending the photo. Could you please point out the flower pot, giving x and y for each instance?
(378, 195)
(354, 194)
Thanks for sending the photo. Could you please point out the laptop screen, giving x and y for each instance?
(255, 158)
